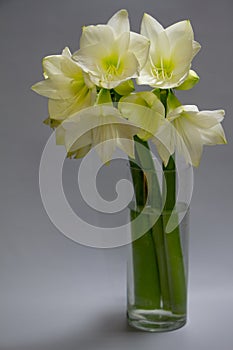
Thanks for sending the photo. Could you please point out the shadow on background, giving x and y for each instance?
(104, 331)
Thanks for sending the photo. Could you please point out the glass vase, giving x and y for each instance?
(157, 271)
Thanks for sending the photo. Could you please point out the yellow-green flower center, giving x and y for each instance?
(163, 70)
(112, 67)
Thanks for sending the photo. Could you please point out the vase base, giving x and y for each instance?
(155, 320)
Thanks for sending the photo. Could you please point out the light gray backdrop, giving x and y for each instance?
(54, 293)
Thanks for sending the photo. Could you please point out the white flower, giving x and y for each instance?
(100, 126)
(189, 130)
(171, 53)
(111, 53)
(68, 88)
(145, 110)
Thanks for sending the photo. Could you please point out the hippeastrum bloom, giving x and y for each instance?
(144, 110)
(171, 53)
(100, 126)
(188, 131)
(111, 53)
(68, 88)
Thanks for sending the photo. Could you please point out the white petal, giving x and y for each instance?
(71, 69)
(100, 135)
(182, 54)
(204, 119)
(61, 109)
(90, 57)
(145, 111)
(59, 89)
(191, 138)
(130, 66)
(196, 47)
(160, 48)
(146, 77)
(139, 45)
(150, 27)
(125, 141)
(214, 135)
(121, 45)
(52, 65)
(120, 22)
(66, 52)
(130, 69)
(93, 35)
(65, 137)
(190, 108)
(180, 30)
(165, 141)
(83, 141)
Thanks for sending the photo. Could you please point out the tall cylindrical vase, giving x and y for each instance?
(158, 258)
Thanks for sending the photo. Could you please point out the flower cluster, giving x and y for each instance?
(93, 90)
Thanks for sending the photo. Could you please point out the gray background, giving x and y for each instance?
(54, 293)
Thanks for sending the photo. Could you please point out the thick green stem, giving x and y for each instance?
(175, 260)
(145, 268)
(154, 199)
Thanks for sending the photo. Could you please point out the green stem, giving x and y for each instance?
(145, 160)
(175, 260)
(145, 269)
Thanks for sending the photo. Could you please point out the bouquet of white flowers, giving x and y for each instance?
(93, 104)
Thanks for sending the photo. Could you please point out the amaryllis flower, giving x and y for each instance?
(111, 53)
(68, 88)
(145, 111)
(188, 131)
(101, 126)
(171, 53)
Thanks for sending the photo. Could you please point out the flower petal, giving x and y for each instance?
(55, 89)
(180, 30)
(196, 47)
(139, 45)
(146, 112)
(104, 137)
(182, 54)
(93, 35)
(125, 88)
(81, 152)
(191, 80)
(71, 69)
(150, 27)
(214, 135)
(190, 144)
(129, 69)
(205, 119)
(89, 58)
(125, 139)
(66, 52)
(61, 109)
(146, 76)
(52, 65)
(119, 22)
(121, 44)
(165, 141)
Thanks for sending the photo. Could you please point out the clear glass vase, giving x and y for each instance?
(158, 255)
